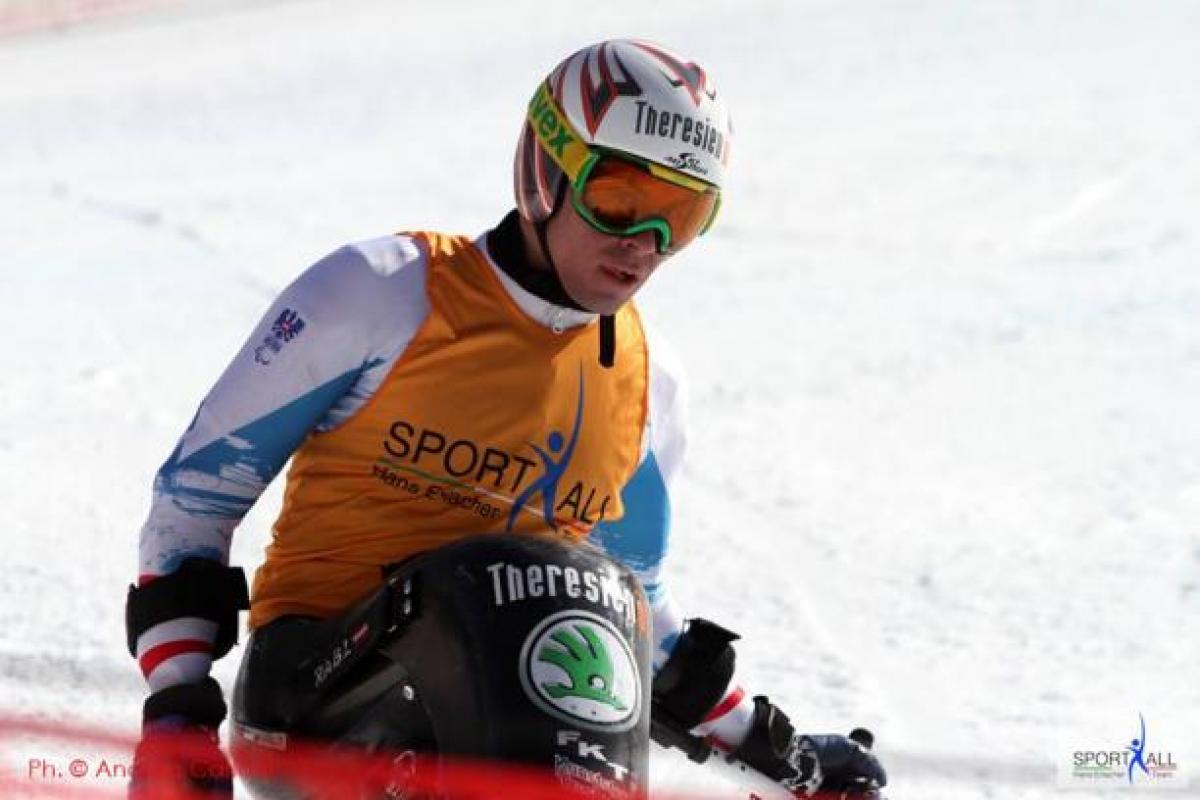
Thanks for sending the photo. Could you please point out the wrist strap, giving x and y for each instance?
(697, 673)
(199, 588)
(766, 745)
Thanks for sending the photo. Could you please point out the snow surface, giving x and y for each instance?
(944, 341)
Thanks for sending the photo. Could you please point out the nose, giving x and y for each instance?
(644, 242)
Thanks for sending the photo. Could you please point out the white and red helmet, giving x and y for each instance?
(629, 97)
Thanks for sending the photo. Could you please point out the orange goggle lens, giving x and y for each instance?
(623, 198)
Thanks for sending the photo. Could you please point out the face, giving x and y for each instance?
(599, 271)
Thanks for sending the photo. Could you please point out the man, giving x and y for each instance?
(513, 368)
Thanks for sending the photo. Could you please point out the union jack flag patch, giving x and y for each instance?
(287, 325)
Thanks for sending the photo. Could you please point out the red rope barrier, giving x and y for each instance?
(318, 768)
(27, 16)
(325, 771)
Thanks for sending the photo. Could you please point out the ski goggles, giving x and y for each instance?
(619, 194)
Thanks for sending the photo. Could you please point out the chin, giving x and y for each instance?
(609, 307)
(605, 307)
(601, 302)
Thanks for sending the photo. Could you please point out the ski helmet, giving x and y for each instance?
(627, 97)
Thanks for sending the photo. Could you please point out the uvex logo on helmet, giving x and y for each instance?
(550, 125)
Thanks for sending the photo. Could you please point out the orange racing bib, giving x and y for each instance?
(488, 422)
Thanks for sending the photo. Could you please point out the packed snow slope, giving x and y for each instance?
(944, 341)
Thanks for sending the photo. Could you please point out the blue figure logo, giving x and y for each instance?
(1137, 749)
(552, 469)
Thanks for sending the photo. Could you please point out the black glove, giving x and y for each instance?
(179, 755)
(805, 764)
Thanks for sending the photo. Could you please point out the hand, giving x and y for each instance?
(179, 755)
(847, 768)
(806, 764)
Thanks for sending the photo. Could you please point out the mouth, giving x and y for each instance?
(625, 277)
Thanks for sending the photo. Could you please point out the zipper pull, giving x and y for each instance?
(558, 320)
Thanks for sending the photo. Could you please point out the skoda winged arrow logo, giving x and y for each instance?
(577, 667)
(584, 658)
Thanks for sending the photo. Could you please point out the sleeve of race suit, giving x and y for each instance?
(319, 352)
(640, 539)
